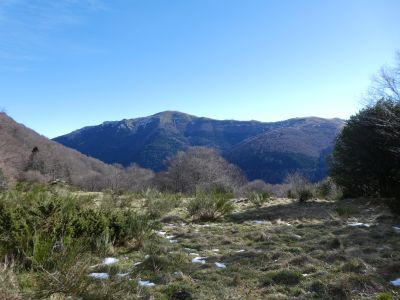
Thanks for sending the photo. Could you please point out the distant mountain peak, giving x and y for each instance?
(148, 141)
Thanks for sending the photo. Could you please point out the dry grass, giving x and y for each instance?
(281, 250)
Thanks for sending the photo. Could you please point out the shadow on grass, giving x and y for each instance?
(287, 212)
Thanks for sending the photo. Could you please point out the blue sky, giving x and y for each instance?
(66, 64)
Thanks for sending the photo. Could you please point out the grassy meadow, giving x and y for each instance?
(61, 243)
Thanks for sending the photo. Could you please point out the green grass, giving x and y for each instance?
(299, 251)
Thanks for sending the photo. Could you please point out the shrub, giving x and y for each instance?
(209, 206)
(130, 226)
(158, 204)
(304, 195)
(327, 189)
(70, 280)
(384, 296)
(298, 187)
(258, 199)
(344, 211)
(38, 224)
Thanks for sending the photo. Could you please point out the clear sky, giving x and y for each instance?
(65, 64)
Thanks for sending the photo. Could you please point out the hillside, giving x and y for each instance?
(26, 154)
(281, 147)
(283, 249)
(302, 146)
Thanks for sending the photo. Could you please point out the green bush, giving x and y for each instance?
(158, 204)
(344, 211)
(38, 224)
(130, 226)
(304, 195)
(327, 189)
(258, 199)
(384, 296)
(209, 206)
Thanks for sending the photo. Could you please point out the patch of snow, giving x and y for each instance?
(297, 237)
(122, 274)
(146, 256)
(396, 229)
(168, 237)
(137, 263)
(358, 224)
(199, 260)
(260, 222)
(146, 283)
(173, 241)
(99, 275)
(240, 251)
(220, 265)
(396, 282)
(193, 254)
(178, 273)
(110, 261)
(215, 250)
(161, 233)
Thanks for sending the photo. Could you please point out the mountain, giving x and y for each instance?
(261, 149)
(302, 146)
(26, 154)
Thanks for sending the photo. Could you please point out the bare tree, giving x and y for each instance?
(386, 84)
(200, 167)
(384, 97)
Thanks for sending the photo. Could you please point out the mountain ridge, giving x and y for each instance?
(150, 141)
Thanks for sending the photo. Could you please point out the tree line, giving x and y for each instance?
(366, 157)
